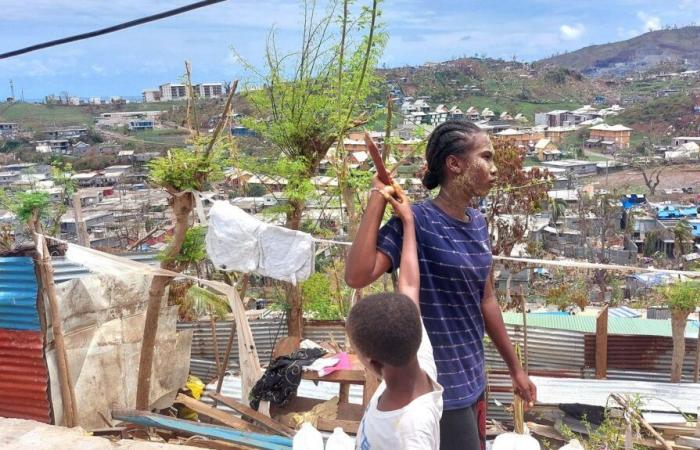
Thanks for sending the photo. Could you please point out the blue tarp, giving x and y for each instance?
(630, 200)
(676, 212)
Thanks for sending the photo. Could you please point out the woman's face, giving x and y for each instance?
(475, 171)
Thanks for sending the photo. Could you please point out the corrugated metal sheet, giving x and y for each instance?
(266, 332)
(644, 353)
(18, 289)
(586, 324)
(65, 270)
(23, 376)
(326, 333)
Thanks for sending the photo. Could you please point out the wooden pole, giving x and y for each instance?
(48, 290)
(601, 344)
(80, 226)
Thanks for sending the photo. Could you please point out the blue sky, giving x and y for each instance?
(126, 62)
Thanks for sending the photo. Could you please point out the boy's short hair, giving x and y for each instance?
(385, 327)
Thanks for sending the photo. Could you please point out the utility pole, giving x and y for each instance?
(12, 90)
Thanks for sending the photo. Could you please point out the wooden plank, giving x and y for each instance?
(371, 384)
(349, 426)
(601, 344)
(344, 395)
(219, 416)
(688, 441)
(215, 444)
(247, 411)
(339, 376)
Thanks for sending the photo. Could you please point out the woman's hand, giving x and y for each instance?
(399, 201)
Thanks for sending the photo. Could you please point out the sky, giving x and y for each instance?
(126, 62)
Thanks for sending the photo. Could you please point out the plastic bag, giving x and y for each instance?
(340, 441)
(307, 438)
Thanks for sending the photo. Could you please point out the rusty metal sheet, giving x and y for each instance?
(644, 353)
(18, 288)
(23, 376)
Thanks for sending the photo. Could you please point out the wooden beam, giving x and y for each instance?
(689, 441)
(249, 412)
(219, 416)
(349, 426)
(601, 344)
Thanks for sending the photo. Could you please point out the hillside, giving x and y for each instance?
(500, 85)
(679, 47)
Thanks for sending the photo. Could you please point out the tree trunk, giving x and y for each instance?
(182, 207)
(678, 322)
(295, 318)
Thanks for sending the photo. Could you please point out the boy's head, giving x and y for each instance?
(385, 330)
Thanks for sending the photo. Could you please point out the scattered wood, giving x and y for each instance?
(689, 441)
(219, 416)
(546, 431)
(249, 412)
(189, 428)
(286, 346)
(118, 432)
(622, 402)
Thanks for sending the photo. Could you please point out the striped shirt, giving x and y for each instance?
(454, 258)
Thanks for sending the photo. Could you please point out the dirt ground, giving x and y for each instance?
(677, 176)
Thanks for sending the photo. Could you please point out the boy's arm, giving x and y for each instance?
(409, 274)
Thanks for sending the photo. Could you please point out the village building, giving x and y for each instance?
(575, 166)
(611, 137)
(209, 90)
(151, 95)
(558, 134)
(173, 91)
(546, 150)
(9, 130)
(122, 118)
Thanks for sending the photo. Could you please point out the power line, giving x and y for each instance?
(121, 26)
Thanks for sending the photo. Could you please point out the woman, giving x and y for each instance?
(457, 297)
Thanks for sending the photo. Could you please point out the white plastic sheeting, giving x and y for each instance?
(239, 242)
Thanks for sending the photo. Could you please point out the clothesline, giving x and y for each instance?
(565, 263)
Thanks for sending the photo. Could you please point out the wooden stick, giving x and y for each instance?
(80, 226)
(622, 402)
(48, 288)
(247, 411)
(219, 416)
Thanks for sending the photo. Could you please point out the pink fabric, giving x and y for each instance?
(343, 364)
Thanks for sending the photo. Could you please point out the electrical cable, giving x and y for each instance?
(111, 29)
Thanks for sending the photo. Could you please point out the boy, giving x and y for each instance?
(389, 338)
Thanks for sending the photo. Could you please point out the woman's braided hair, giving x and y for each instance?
(453, 137)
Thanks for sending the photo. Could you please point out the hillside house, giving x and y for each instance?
(680, 140)
(85, 179)
(57, 146)
(151, 95)
(558, 134)
(546, 150)
(173, 91)
(141, 124)
(9, 130)
(209, 90)
(472, 114)
(556, 118)
(575, 166)
(65, 133)
(524, 139)
(122, 118)
(684, 152)
(610, 137)
(8, 178)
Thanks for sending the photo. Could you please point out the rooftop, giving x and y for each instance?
(606, 127)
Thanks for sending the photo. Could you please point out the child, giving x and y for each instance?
(389, 338)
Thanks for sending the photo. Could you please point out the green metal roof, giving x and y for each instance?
(586, 324)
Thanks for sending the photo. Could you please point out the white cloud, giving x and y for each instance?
(571, 32)
(651, 23)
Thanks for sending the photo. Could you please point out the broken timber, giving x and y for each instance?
(190, 428)
(216, 414)
(249, 412)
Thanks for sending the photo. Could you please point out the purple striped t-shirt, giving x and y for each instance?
(454, 258)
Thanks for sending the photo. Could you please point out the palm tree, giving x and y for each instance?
(557, 208)
(682, 234)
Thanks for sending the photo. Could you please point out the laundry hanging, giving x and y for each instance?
(236, 241)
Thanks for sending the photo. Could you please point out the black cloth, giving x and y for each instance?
(280, 381)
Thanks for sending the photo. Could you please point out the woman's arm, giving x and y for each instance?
(409, 275)
(364, 262)
(496, 329)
